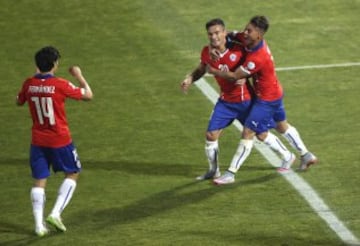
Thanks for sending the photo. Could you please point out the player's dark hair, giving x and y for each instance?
(213, 22)
(260, 22)
(46, 57)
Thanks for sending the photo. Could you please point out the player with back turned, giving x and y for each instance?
(51, 142)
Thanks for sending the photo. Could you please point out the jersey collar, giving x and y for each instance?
(257, 47)
(44, 76)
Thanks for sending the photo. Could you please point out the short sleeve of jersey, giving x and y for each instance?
(252, 65)
(21, 97)
(70, 90)
(205, 56)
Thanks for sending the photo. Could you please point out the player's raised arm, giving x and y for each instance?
(75, 71)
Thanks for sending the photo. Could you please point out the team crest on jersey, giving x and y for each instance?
(232, 57)
(250, 65)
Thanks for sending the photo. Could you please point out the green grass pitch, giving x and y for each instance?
(141, 141)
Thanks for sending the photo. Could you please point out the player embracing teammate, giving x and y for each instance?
(264, 112)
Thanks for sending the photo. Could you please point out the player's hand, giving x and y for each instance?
(75, 71)
(186, 83)
(214, 53)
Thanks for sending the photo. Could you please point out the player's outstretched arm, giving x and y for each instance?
(75, 71)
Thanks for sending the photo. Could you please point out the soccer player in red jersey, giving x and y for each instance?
(51, 142)
(268, 105)
(235, 99)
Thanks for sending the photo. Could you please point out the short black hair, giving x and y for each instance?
(260, 22)
(213, 22)
(46, 57)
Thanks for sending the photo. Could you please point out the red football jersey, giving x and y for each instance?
(46, 98)
(229, 61)
(260, 65)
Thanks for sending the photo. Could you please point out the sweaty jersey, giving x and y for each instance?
(229, 60)
(46, 96)
(260, 65)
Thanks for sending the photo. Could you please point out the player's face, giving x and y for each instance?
(252, 35)
(216, 35)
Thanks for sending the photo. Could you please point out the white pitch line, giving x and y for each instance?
(349, 64)
(293, 178)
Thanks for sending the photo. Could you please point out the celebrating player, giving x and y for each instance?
(235, 99)
(268, 103)
(51, 142)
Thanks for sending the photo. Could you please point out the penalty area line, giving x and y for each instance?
(304, 189)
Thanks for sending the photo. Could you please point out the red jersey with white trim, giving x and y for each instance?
(229, 61)
(46, 96)
(259, 64)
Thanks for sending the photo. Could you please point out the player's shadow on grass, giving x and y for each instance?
(20, 235)
(160, 203)
(160, 169)
(148, 168)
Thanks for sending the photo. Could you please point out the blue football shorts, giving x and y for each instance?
(264, 115)
(225, 113)
(64, 159)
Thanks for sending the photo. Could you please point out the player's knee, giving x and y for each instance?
(211, 136)
(73, 176)
(262, 136)
(282, 126)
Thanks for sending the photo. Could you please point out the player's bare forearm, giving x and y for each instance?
(191, 78)
(230, 76)
(75, 71)
(198, 73)
(233, 77)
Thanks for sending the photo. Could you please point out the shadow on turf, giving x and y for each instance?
(21, 235)
(158, 169)
(235, 237)
(148, 168)
(159, 203)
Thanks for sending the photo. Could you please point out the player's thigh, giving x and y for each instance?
(225, 113)
(260, 118)
(66, 159)
(39, 162)
(279, 112)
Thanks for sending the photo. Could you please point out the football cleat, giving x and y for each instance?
(56, 222)
(209, 175)
(286, 164)
(227, 178)
(42, 231)
(307, 160)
